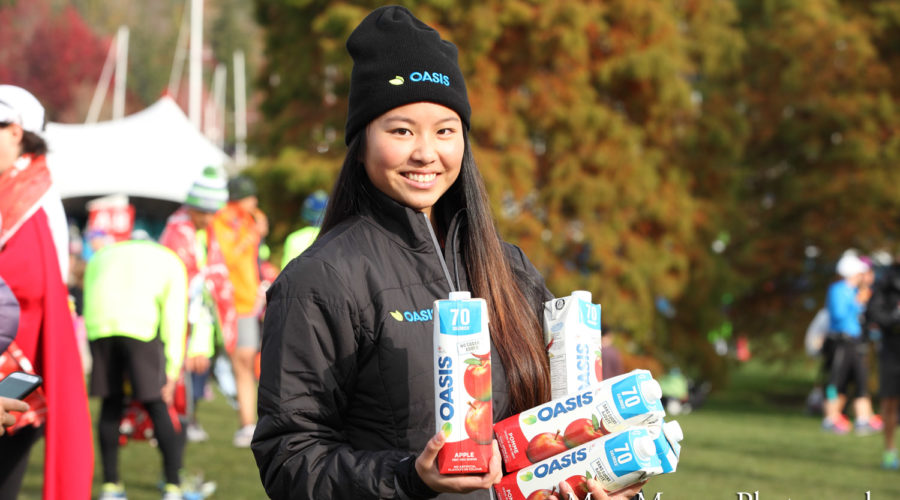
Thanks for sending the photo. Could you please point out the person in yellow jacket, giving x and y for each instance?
(135, 309)
(312, 212)
(238, 229)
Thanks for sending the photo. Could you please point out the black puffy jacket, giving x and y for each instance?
(346, 393)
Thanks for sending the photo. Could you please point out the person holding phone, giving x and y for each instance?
(45, 341)
(346, 396)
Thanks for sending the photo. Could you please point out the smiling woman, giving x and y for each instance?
(346, 386)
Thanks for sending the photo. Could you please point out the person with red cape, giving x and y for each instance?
(45, 339)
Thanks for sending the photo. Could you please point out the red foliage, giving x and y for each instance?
(50, 53)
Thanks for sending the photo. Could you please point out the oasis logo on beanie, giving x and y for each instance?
(398, 60)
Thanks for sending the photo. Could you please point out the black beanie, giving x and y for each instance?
(398, 60)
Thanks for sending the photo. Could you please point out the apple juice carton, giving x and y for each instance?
(462, 384)
(616, 461)
(667, 440)
(572, 333)
(552, 428)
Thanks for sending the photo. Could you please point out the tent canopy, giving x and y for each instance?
(155, 153)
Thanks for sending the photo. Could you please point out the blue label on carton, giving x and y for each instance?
(459, 317)
(622, 457)
(590, 314)
(629, 400)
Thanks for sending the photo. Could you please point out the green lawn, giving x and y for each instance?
(752, 437)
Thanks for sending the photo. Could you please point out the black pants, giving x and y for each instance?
(14, 453)
(849, 365)
(171, 443)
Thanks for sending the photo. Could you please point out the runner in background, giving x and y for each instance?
(135, 307)
(311, 215)
(238, 228)
(211, 312)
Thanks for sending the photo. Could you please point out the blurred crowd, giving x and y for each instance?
(861, 314)
(149, 323)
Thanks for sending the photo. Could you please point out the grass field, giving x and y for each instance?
(752, 437)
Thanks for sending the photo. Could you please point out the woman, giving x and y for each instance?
(346, 406)
(45, 338)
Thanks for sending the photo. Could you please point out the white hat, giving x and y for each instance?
(19, 106)
(850, 265)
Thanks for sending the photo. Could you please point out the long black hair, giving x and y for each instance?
(515, 328)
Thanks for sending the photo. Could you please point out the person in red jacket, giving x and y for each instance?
(45, 339)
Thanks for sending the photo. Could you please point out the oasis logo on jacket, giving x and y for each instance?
(413, 316)
(422, 76)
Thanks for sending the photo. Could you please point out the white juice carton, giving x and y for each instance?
(462, 384)
(615, 461)
(668, 445)
(572, 334)
(557, 426)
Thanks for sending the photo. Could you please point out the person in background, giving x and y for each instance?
(848, 364)
(884, 311)
(135, 308)
(311, 215)
(237, 227)
(32, 114)
(612, 358)
(45, 341)
(211, 312)
(346, 396)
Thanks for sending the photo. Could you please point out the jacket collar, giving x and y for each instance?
(404, 225)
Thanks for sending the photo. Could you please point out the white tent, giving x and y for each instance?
(154, 153)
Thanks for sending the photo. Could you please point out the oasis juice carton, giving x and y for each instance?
(563, 423)
(615, 461)
(462, 384)
(668, 445)
(572, 333)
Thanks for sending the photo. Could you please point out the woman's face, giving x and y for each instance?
(414, 153)
(10, 145)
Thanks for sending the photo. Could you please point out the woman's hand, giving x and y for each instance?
(426, 467)
(7, 405)
(597, 492)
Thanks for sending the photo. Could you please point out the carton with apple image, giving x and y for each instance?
(555, 427)
(616, 461)
(462, 384)
(572, 335)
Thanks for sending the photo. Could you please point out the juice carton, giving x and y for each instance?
(462, 384)
(572, 333)
(668, 445)
(564, 423)
(615, 461)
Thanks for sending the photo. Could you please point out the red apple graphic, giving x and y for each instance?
(579, 486)
(545, 445)
(479, 422)
(583, 430)
(540, 494)
(477, 379)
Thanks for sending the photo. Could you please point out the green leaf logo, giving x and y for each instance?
(530, 419)
(397, 80)
(447, 428)
(397, 315)
(527, 476)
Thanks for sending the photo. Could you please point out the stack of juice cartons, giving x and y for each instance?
(610, 430)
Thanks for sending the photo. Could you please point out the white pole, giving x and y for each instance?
(196, 68)
(121, 72)
(219, 96)
(102, 86)
(180, 53)
(240, 110)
